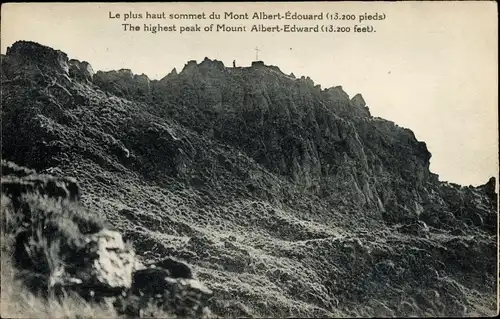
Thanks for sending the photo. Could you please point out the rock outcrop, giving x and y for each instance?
(124, 83)
(81, 71)
(64, 243)
(59, 246)
(26, 58)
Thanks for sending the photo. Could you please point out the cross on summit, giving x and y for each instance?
(256, 53)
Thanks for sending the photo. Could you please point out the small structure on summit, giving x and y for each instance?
(256, 53)
(234, 63)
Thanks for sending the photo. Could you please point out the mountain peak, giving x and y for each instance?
(44, 57)
(33, 50)
(358, 100)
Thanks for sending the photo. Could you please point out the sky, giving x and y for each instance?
(429, 66)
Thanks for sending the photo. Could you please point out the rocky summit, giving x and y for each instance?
(237, 191)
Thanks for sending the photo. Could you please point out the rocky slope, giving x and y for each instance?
(284, 198)
(58, 246)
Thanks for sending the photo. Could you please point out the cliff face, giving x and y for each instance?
(323, 142)
(258, 179)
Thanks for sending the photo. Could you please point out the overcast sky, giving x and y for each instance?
(430, 67)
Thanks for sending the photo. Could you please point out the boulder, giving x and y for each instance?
(177, 269)
(81, 71)
(154, 286)
(110, 262)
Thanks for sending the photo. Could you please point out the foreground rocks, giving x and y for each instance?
(59, 246)
(155, 287)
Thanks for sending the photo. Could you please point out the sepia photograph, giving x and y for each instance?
(249, 159)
